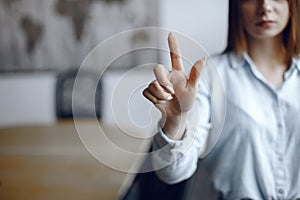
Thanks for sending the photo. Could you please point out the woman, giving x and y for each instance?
(257, 154)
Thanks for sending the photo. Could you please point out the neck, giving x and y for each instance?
(269, 53)
(270, 58)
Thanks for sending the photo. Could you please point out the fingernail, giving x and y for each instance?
(169, 97)
(204, 59)
(170, 89)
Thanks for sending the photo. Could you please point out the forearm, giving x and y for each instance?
(174, 126)
(181, 141)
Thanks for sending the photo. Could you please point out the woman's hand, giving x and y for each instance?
(173, 92)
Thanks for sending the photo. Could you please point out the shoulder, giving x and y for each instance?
(229, 61)
(215, 70)
(220, 58)
(222, 68)
(220, 61)
(296, 60)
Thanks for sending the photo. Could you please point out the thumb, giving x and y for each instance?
(196, 72)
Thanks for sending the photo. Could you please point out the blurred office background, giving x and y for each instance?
(41, 38)
(44, 42)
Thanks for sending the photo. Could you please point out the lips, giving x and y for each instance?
(265, 23)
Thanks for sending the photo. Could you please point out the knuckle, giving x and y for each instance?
(145, 91)
(157, 68)
(152, 86)
(156, 85)
(164, 83)
(175, 55)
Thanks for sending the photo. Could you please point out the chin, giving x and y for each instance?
(266, 35)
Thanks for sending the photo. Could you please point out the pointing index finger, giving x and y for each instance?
(175, 53)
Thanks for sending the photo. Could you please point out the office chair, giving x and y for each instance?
(82, 100)
(147, 186)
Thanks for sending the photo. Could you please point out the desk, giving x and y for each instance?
(50, 162)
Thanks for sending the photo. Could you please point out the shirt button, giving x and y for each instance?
(280, 158)
(281, 191)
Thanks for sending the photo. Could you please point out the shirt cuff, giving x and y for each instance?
(163, 140)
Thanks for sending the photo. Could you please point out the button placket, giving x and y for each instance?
(279, 150)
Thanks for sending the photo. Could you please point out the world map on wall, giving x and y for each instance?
(75, 10)
(78, 12)
(32, 31)
(59, 34)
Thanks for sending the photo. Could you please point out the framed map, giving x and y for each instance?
(58, 34)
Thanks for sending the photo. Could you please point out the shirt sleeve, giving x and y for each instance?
(176, 160)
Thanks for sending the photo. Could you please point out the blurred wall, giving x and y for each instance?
(54, 35)
(27, 99)
(204, 21)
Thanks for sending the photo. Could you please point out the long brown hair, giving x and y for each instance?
(236, 40)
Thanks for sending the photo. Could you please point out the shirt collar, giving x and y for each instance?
(296, 63)
(236, 61)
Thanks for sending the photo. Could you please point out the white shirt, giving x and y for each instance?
(257, 154)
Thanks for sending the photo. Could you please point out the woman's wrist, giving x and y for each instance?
(174, 126)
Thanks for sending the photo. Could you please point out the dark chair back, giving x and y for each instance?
(85, 105)
(147, 186)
